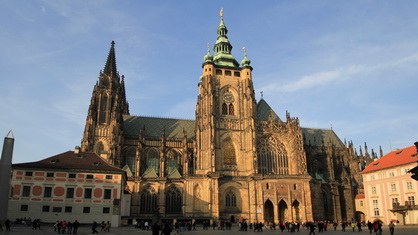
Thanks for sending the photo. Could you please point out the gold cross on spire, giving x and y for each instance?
(221, 12)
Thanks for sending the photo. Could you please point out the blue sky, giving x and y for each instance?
(352, 65)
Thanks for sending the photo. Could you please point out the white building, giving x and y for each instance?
(69, 186)
(390, 192)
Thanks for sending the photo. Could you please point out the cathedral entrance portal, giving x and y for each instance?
(282, 211)
(268, 211)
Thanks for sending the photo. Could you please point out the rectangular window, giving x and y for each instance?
(87, 193)
(70, 192)
(68, 209)
(391, 174)
(361, 203)
(411, 200)
(86, 210)
(56, 209)
(409, 185)
(218, 72)
(393, 187)
(107, 194)
(47, 191)
(237, 74)
(372, 177)
(50, 174)
(395, 202)
(106, 210)
(376, 207)
(228, 73)
(26, 191)
(373, 190)
(24, 207)
(89, 176)
(407, 170)
(72, 176)
(109, 177)
(45, 208)
(28, 173)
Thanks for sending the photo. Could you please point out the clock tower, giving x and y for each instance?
(225, 113)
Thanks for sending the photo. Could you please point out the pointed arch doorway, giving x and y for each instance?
(282, 211)
(268, 211)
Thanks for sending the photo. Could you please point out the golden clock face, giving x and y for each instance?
(228, 97)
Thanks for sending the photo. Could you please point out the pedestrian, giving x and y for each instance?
(370, 226)
(335, 225)
(7, 224)
(76, 224)
(155, 229)
(94, 227)
(107, 227)
(166, 230)
(391, 227)
(353, 225)
(311, 228)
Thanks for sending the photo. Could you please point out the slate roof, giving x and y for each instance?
(264, 110)
(156, 126)
(72, 161)
(316, 136)
(394, 158)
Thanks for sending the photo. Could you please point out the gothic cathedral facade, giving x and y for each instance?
(236, 161)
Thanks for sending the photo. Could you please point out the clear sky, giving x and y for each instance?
(349, 65)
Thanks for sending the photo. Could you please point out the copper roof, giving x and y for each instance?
(72, 161)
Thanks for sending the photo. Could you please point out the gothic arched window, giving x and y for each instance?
(272, 157)
(229, 152)
(100, 148)
(231, 109)
(153, 160)
(173, 200)
(190, 166)
(224, 109)
(148, 200)
(103, 110)
(172, 162)
(231, 199)
(130, 159)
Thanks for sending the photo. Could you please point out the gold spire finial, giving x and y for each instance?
(221, 12)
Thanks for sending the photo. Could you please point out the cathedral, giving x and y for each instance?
(238, 160)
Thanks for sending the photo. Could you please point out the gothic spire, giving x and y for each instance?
(223, 48)
(110, 67)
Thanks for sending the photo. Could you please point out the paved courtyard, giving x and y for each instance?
(48, 229)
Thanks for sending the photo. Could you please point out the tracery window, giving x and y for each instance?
(231, 109)
(224, 109)
(152, 160)
(172, 162)
(231, 199)
(190, 165)
(131, 159)
(103, 109)
(272, 157)
(100, 148)
(173, 200)
(148, 200)
(229, 152)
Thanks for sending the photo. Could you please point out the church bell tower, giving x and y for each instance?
(225, 113)
(103, 132)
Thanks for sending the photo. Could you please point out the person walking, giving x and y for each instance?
(311, 228)
(94, 227)
(166, 230)
(7, 224)
(391, 227)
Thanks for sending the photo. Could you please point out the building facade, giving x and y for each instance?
(390, 192)
(236, 160)
(69, 186)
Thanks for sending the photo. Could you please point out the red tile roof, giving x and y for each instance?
(360, 196)
(72, 161)
(394, 158)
